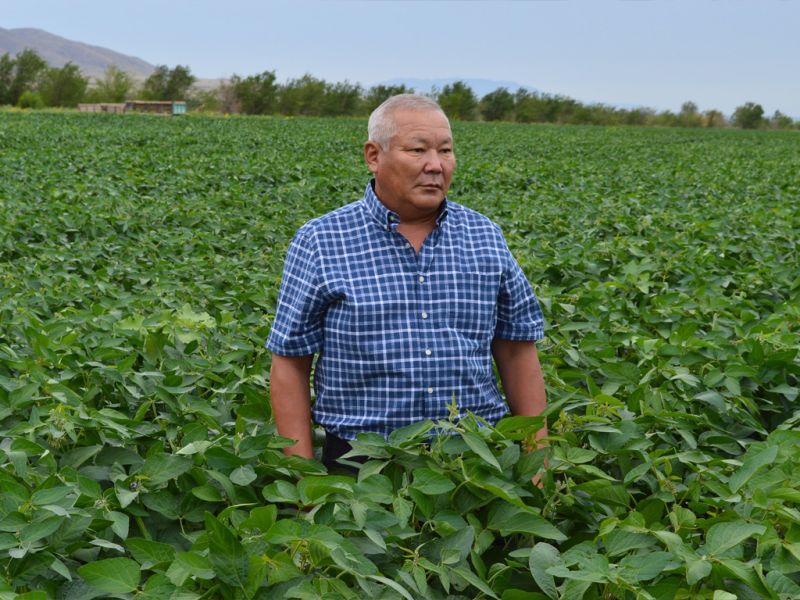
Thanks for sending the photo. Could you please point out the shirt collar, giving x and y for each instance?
(383, 216)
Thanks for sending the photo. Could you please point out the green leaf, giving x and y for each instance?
(158, 587)
(783, 584)
(207, 493)
(432, 483)
(724, 536)
(392, 584)
(743, 572)
(112, 575)
(751, 465)
(697, 569)
(519, 427)
(415, 433)
(22, 395)
(150, 553)
(479, 447)
(509, 519)
(456, 544)
(227, 554)
(281, 491)
(60, 568)
(474, 580)
(636, 472)
(120, 522)
(189, 564)
(314, 488)
(645, 566)
(621, 541)
(161, 468)
(32, 596)
(39, 529)
(281, 568)
(356, 564)
(542, 557)
(244, 475)
(594, 569)
(53, 495)
(261, 518)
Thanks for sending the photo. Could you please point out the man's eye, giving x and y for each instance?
(446, 150)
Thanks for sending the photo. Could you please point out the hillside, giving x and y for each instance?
(57, 51)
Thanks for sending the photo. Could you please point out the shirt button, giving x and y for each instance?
(408, 245)
(428, 352)
(430, 390)
(424, 315)
(421, 278)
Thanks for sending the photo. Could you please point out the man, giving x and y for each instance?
(405, 296)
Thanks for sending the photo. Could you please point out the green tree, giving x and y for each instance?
(302, 96)
(748, 116)
(28, 69)
(690, 116)
(7, 65)
(497, 105)
(458, 101)
(780, 121)
(63, 87)
(714, 118)
(115, 86)
(341, 99)
(376, 95)
(30, 99)
(168, 84)
(532, 107)
(256, 94)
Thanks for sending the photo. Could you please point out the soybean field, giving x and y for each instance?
(140, 261)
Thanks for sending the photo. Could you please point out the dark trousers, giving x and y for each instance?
(334, 448)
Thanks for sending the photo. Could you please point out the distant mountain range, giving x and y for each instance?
(94, 60)
(57, 51)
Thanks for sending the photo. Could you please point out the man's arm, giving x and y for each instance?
(290, 395)
(521, 375)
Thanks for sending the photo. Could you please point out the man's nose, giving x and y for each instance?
(433, 162)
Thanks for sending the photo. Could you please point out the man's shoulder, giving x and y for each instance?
(471, 218)
(346, 215)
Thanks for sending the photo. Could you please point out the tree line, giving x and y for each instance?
(26, 80)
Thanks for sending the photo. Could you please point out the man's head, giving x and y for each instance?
(410, 153)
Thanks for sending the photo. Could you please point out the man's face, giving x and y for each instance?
(413, 175)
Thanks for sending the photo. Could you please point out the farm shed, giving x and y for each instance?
(161, 107)
(106, 107)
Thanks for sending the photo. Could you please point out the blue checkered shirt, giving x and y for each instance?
(401, 335)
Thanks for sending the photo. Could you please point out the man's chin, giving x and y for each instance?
(429, 195)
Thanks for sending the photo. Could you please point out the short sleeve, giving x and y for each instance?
(519, 316)
(297, 329)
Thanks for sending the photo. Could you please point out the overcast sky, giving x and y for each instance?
(657, 53)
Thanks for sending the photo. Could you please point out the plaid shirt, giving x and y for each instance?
(401, 335)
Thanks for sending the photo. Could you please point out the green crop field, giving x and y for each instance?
(140, 260)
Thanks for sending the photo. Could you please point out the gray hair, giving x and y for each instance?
(381, 127)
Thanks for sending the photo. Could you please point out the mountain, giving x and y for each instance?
(57, 51)
(481, 87)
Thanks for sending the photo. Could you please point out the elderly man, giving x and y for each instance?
(405, 296)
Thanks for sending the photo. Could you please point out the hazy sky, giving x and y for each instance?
(657, 53)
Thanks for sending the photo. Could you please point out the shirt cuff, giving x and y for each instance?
(283, 346)
(519, 331)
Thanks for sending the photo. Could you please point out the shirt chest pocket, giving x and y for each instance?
(471, 303)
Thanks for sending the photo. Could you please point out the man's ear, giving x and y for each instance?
(371, 152)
